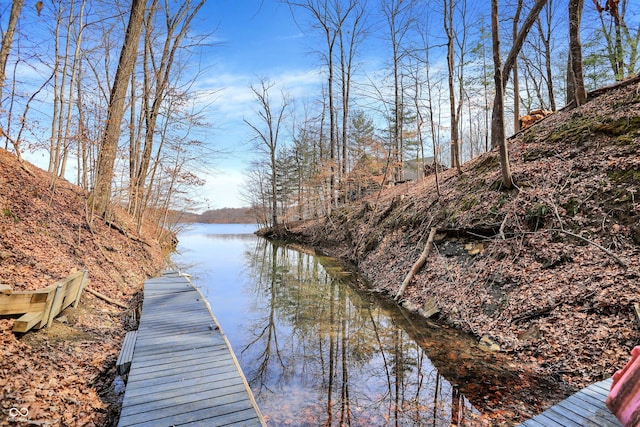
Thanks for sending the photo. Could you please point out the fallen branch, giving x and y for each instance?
(535, 313)
(106, 298)
(602, 248)
(418, 264)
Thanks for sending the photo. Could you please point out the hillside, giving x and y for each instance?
(549, 271)
(217, 216)
(64, 374)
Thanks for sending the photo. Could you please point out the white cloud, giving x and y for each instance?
(222, 190)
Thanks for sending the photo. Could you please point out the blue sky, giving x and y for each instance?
(254, 40)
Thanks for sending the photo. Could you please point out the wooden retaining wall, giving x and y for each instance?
(40, 307)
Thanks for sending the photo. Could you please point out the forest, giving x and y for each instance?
(107, 93)
(535, 231)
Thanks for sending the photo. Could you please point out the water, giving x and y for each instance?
(317, 352)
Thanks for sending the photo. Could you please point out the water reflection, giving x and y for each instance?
(315, 351)
(318, 352)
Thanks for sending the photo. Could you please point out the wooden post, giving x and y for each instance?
(418, 264)
(83, 280)
(47, 309)
(55, 307)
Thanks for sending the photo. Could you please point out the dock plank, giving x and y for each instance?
(183, 370)
(585, 408)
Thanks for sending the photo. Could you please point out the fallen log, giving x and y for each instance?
(106, 298)
(418, 264)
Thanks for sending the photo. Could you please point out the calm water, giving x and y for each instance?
(317, 352)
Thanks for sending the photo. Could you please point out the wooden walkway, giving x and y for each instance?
(586, 408)
(184, 372)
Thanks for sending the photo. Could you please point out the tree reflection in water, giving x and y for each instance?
(322, 353)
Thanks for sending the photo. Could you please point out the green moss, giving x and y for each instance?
(621, 126)
(537, 153)
(573, 132)
(631, 176)
(536, 216)
(8, 213)
(572, 206)
(488, 162)
(502, 199)
(468, 202)
(530, 137)
(624, 140)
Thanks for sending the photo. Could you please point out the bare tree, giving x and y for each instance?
(516, 75)
(267, 134)
(158, 68)
(7, 40)
(349, 39)
(398, 16)
(620, 40)
(575, 77)
(501, 77)
(545, 37)
(448, 8)
(70, 25)
(326, 20)
(101, 194)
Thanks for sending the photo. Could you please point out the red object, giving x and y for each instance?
(624, 396)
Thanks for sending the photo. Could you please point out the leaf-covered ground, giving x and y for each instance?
(64, 375)
(555, 290)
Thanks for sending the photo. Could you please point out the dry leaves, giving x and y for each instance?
(558, 305)
(62, 376)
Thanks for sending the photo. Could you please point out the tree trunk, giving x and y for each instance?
(101, 194)
(448, 26)
(7, 40)
(497, 122)
(575, 76)
(546, 41)
(516, 76)
(497, 118)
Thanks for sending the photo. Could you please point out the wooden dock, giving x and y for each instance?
(184, 372)
(586, 408)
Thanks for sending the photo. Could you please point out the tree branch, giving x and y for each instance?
(418, 264)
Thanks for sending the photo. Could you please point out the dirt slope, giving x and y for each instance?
(557, 290)
(64, 375)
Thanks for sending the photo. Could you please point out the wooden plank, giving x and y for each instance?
(55, 306)
(171, 390)
(195, 383)
(184, 328)
(224, 371)
(585, 408)
(81, 285)
(188, 410)
(579, 414)
(547, 420)
(183, 368)
(203, 418)
(171, 395)
(559, 414)
(244, 418)
(599, 409)
(164, 349)
(25, 301)
(173, 369)
(184, 357)
(48, 302)
(532, 423)
(27, 321)
(125, 357)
